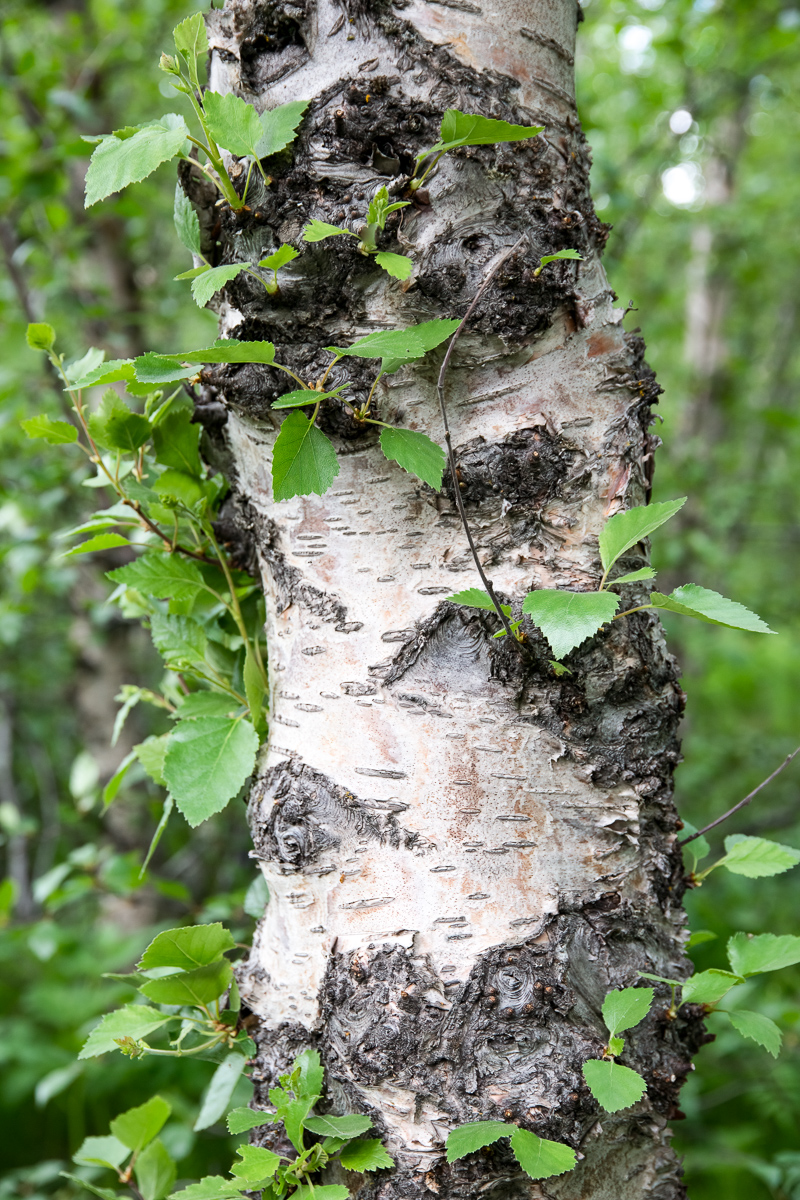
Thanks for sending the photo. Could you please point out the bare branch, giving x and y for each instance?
(742, 803)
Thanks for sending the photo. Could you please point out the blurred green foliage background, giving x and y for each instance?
(692, 108)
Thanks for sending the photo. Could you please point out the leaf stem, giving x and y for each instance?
(628, 611)
(451, 458)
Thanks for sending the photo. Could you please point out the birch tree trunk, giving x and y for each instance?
(464, 852)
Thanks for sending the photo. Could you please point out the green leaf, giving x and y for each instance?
(213, 1187)
(257, 1163)
(627, 1007)
(116, 163)
(190, 37)
(138, 1126)
(133, 1020)
(176, 442)
(116, 370)
(708, 987)
(308, 1064)
(548, 258)
(477, 598)
(339, 1127)
(114, 427)
(177, 485)
(752, 955)
(616, 1045)
(165, 576)
(627, 528)
(187, 223)
(318, 231)
(57, 433)
(196, 988)
(239, 1120)
(279, 258)
(101, 541)
(187, 947)
(756, 857)
(415, 453)
(217, 1098)
(568, 618)
(470, 129)
(206, 704)
(207, 762)
(231, 350)
(40, 336)
(178, 639)
(166, 812)
(151, 753)
(106, 1151)
(399, 266)
(365, 1154)
(91, 360)
(699, 937)
(540, 1158)
(279, 127)
(758, 1028)
(160, 368)
(193, 272)
(465, 1139)
(612, 1085)
(293, 1111)
(691, 600)
(698, 848)
(256, 897)
(232, 122)
(155, 1171)
(254, 689)
(210, 282)
(633, 576)
(115, 782)
(303, 459)
(406, 344)
(102, 1193)
(303, 396)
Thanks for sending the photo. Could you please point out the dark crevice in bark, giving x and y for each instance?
(297, 814)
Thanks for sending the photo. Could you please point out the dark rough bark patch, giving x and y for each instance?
(491, 1047)
(297, 814)
(526, 467)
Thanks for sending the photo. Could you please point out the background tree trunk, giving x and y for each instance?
(464, 852)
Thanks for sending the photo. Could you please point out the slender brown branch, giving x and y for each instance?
(742, 803)
(451, 458)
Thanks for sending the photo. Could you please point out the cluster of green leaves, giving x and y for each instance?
(538, 1157)
(131, 154)
(205, 618)
(568, 618)
(748, 955)
(185, 974)
(399, 266)
(208, 280)
(130, 1148)
(304, 460)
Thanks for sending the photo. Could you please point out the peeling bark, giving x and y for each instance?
(464, 852)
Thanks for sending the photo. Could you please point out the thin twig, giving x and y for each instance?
(744, 802)
(451, 458)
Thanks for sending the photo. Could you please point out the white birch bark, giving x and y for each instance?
(463, 851)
